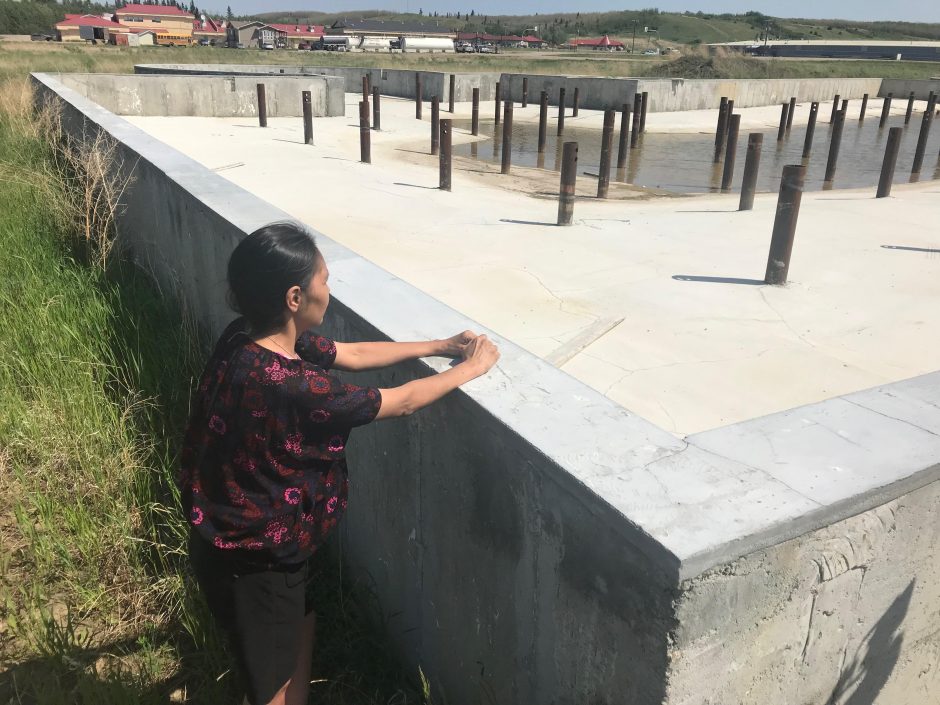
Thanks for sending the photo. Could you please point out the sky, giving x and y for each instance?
(903, 10)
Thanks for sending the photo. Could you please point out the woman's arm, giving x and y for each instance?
(481, 355)
(355, 357)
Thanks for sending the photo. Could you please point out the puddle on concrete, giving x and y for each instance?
(683, 163)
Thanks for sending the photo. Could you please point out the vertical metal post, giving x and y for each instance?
(452, 93)
(525, 91)
(645, 104)
(885, 110)
(861, 113)
(262, 107)
(845, 106)
(890, 161)
(910, 108)
(569, 173)
(835, 108)
(781, 130)
(577, 101)
(607, 139)
(561, 110)
(507, 138)
(365, 86)
(308, 116)
(624, 145)
(834, 144)
(376, 109)
(729, 113)
(419, 99)
(728, 176)
(498, 98)
(475, 114)
(790, 113)
(810, 130)
(721, 131)
(543, 121)
(788, 212)
(445, 160)
(435, 124)
(365, 145)
(921, 143)
(751, 166)
(637, 114)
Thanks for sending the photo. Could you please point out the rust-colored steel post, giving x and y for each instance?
(835, 108)
(885, 110)
(525, 91)
(475, 114)
(861, 113)
(810, 130)
(577, 101)
(910, 108)
(452, 93)
(365, 86)
(788, 212)
(543, 121)
(834, 144)
(365, 144)
(498, 99)
(890, 161)
(921, 143)
(624, 144)
(376, 109)
(445, 157)
(781, 130)
(419, 98)
(732, 149)
(569, 174)
(722, 130)
(645, 104)
(561, 110)
(637, 114)
(845, 106)
(507, 138)
(730, 112)
(751, 166)
(435, 124)
(607, 139)
(262, 107)
(308, 116)
(790, 113)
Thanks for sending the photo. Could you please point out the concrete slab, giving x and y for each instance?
(683, 274)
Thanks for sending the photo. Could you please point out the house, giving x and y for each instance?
(80, 28)
(254, 34)
(293, 35)
(604, 43)
(391, 28)
(209, 31)
(171, 24)
(135, 38)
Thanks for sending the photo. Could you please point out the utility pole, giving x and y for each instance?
(633, 48)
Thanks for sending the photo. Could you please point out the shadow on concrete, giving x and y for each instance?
(717, 280)
(341, 159)
(526, 222)
(401, 183)
(875, 657)
(928, 250)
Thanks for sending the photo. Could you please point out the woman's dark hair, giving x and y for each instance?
(264, 266)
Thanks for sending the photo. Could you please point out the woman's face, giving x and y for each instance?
(316, 297)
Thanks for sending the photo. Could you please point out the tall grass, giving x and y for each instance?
(96, 603)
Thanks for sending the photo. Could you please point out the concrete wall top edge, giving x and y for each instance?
(694, 503)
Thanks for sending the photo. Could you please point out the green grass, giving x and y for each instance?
(96, 603)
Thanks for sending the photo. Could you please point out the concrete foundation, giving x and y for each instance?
(534, 542)
(208, 96)
(901, 87)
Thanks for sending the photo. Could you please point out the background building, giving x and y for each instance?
(82, 28)
(209, 31)
(171, 24)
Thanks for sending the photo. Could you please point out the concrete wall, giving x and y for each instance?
(532, 542)
(208, 96)
(902, 87)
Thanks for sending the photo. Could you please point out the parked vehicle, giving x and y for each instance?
(268, 46)
(486, 49)
(465, 48)
(651, 52)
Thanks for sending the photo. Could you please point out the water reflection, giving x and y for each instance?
(684, 162)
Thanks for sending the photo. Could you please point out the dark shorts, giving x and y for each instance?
(261, 609)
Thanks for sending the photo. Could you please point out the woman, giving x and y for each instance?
(263, 468)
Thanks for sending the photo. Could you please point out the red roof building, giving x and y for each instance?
(78, 28)
(502, 39)
(293, 35)
(135, 9)
(600, 43)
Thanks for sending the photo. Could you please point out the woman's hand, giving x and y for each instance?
(456, 345)
(481, 353)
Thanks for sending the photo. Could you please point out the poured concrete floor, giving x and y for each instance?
(656, 302)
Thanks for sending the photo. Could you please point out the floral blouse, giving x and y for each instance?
(263, 467)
